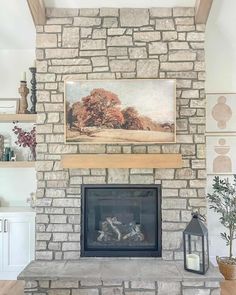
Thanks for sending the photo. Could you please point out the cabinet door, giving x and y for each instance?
(18, 242)
(1, 242)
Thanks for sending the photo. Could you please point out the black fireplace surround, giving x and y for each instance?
(121, 221)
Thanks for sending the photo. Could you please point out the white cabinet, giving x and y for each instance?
(17, 242)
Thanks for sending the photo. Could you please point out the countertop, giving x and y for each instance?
(16, 209)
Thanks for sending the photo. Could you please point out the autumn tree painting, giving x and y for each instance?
(103, 116)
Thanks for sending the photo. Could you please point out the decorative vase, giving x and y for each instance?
(227, 270)
(32, 154)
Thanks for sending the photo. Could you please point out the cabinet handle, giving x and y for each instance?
(0, 225)
(5, 225)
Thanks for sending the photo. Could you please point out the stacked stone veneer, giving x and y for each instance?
(122, 288)
(118, 44)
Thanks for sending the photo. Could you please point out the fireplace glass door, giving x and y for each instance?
(121, 220)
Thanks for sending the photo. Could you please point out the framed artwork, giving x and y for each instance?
(221, 156)
(221, 113)
(120, 111)
(9, 106)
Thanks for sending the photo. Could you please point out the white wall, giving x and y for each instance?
(12, 63)
(17, 53)
(221, 78)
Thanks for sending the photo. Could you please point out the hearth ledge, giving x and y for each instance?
(97, 269)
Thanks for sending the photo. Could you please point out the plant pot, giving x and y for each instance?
(227, 269)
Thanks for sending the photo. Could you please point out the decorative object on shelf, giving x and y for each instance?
(13, 156)
(7, 154)
(32, 200)
(33, 97)
(120, 111)
(26, 139)
(9, 106)
(1, 147)
(23, 91)
(223, 201)
(196, 246)
(221, 112)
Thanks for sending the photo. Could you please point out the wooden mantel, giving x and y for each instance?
(122, 161)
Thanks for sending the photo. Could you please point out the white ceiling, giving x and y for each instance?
(118, 3)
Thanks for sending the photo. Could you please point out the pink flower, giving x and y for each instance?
(25, 138)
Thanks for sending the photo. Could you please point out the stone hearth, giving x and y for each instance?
(107, 276)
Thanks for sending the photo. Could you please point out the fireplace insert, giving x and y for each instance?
(121, 220)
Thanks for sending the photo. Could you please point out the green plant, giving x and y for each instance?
(223, 201)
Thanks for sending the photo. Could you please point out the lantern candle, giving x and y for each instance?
(193, 262)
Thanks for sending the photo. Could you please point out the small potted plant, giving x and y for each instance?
(223, 201)
(26, 139)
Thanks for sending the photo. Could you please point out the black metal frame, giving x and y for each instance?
(204, 267)
(157, 252)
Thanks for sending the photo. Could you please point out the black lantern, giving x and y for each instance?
(196, 246)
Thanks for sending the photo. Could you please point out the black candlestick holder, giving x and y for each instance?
(33, 97)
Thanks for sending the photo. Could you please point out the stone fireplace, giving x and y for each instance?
(121, 220)
(158, 43)
(112, 43)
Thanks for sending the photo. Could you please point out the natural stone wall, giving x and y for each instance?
(122, 288)
(110, 43)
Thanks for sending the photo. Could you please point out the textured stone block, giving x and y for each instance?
(85, 292)
(99, 61)
(136, 53)
(87, 21)
(198, 291)
(70, 37)
(92, 44)
(118, 175)
(115, 31)
(157, 48)
(164, 173)
(117, 51)
(176, 66)
(109, 11)
(142, 285)
(99, 34)
(166, 24)
(61, 12)
(169, 36)
(134, 17)
(166, 288)
(147, 36)
(46, 40)
(160, 12)
(183, 11)
(110, 22)
(122, 65)
(61, 53)
(119, 41)
(145, 179)
(195, 36)
(171, 240)
(182, 55)
(147, 68)
(88, 11)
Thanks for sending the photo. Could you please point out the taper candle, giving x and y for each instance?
(23, 76)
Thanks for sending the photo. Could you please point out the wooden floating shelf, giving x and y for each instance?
(122, 161)
(24, 118)
(17, 164)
